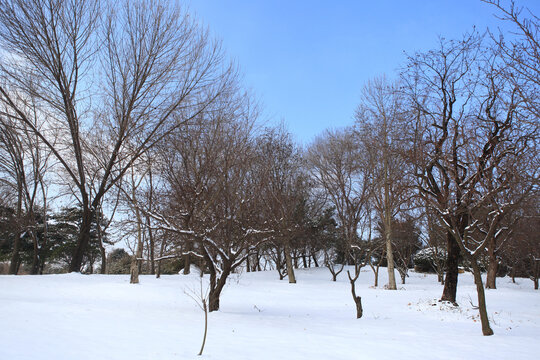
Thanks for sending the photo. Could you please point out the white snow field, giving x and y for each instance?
(104, 317)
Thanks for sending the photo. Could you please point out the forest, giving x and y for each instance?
(129, 145)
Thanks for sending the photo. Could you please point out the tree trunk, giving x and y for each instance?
(134, 268)
(215, 290)
(376, 270)
(152, 245)
(388, 211)
(35, 256)
(15, 259)
(213, 300)
(187, 265)
(135, 262)
(103, 269)
(161, 252)
(289, 263)
(357, 299)
(279, 264)
(452, 262)
(315, 259)
(205, 309)
(102, 251)
(258, 263)
(187, 259)
(492, 265)
(333, 271)
(403, 276)
(83, 240)
(14, 263)
(389, 254)
(486, 329)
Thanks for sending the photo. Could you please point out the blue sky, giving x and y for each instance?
(307, 60)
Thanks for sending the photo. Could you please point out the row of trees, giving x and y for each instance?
(133, 111)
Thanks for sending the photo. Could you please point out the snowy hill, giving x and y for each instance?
(104, 317)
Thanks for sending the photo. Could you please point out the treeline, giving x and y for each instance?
(132, 111)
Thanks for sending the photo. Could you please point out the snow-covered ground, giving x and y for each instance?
(104, 317)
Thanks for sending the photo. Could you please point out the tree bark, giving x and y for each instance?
(357, 299)
(161, 252)
(135, 262)
(103, 253)
(452, 262)
(486, 329)
(388, 211)
(389, 252)
(213, 299)
(289, 263)
(14, 263)
(35, 256)
(313, 255)
(205, 309)
(15, 259)
(216, 286)
(304, 260)
(152, 245)
(83, 240)
(279, 264)
(257, 266)
(492, 265)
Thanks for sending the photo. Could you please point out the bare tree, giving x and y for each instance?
(520, 51)
(406, 242)
(380, 120)
(284, 190)
(339, 166)
(471, 126)
(134, 71)
(201, 299)
(24, 163)
(210, 198)
(437, 85)
(357, 299)
(435, 239)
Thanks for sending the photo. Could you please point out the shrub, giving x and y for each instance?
(426, 260)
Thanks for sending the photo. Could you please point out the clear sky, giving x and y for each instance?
(307, 60)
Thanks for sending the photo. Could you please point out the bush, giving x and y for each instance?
(426, 259)
(119, 262)
(172, 266)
